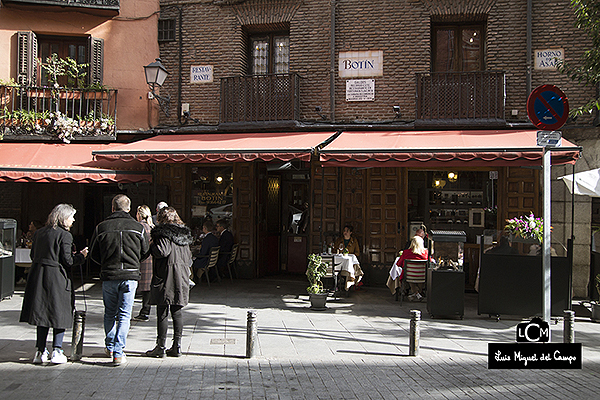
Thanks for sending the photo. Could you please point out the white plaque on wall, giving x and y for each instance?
(360, 90)
(546, 59)
(358, 64)
(201, 74)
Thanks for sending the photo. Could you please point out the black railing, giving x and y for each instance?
(460, 96)
(95, 4)
(61, 112)
(259, 98)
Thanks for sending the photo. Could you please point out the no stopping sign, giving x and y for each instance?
(548, 107)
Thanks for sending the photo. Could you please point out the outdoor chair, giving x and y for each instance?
(213, 257)
(415, 271)
(231, 259)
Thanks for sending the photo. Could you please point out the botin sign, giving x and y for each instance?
(548, 107)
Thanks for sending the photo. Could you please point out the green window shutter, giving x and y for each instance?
(96, 47)
(27, 62)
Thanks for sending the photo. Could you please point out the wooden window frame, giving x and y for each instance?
(458, 28)
(270, 38)
(166, 33)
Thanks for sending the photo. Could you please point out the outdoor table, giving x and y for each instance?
(348, 265)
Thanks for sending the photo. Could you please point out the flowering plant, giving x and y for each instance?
(528, 227)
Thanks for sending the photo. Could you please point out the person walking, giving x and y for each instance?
(172, 257)
(144, 217)
(118, 245)
(49, 298)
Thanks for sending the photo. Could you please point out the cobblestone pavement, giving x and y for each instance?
(356, 349)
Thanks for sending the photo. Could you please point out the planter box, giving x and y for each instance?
(512, 285)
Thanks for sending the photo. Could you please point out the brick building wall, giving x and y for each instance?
(216, 33)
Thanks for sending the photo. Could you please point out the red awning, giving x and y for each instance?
(219, 147)
(442, 149)
(49, 162)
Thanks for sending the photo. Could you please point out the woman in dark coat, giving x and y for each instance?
(49, 299)
(172, 259)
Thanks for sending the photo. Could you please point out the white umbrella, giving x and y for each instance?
(586, 183)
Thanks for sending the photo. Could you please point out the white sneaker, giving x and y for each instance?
(41, 358)
(419, 297)
(58, 356)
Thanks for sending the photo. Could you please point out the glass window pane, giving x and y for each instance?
(282, 55)
(72, 52)
(445, 57)
(471, 49)
(260, 56)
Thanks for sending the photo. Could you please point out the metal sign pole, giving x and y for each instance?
(547, 239)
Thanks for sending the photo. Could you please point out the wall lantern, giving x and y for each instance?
(452, 176)
(156, 73)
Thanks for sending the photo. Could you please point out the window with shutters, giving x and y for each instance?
(34, 51)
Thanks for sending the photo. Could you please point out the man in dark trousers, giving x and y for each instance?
(118, 246)
(209, 241)
(226, 243)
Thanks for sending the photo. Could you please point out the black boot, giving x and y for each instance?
(157, 352)
(175, 350)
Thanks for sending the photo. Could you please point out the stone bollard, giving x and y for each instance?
(569, 327)
(413, 346)
(251, 334)
(77, 340)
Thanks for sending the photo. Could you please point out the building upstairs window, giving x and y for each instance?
(458, 48)
(270, 54)
(166, 30)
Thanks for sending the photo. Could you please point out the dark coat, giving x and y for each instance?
(171, 268)
(118, 246)
(209, 241)
(225, 243)
(49, 299)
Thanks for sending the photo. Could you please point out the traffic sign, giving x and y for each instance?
(549, 138)
(548, 107)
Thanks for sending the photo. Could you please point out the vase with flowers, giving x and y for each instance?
(526, 228)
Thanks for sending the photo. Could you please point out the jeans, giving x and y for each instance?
(118, 299)
(42, 335)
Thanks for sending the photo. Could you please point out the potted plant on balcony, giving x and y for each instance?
(316, 269)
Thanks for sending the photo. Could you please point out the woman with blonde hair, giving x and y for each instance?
(416, 251)
(144, 217)
(49, 297)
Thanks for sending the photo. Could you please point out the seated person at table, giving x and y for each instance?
(347, 243)
(209, 241)
(226, 243)
(503, 247)
(416, 251)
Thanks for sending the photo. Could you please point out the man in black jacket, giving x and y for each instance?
(118, 245)
(225, 243)
(208, 242)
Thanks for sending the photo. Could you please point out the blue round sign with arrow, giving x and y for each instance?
(548, 107)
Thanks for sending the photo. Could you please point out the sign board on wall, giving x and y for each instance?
(201, 74)
(360, 90)
(358, 64)
(546, 59)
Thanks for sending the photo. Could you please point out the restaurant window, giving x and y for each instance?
(212, 195)
(458, 48)
(166, 30)
(270, 54)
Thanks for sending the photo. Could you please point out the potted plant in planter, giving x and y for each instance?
(596, 304)
(316, 269)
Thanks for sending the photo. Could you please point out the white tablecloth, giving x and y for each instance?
(22, 256)
(347, 265)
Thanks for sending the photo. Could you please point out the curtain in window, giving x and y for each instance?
(471, 49)
(260, 56)
(444, 56)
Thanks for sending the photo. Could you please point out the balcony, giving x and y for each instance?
(460, 99)
(109, 5)
(266, 99)
(64, 114)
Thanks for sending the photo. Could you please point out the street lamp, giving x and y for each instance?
(156, 73)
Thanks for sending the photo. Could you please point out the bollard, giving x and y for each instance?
(251, 334)
(415, 318)
(569, 327)
(77, 340)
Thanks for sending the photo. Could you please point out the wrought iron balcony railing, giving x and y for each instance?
(260, 98)
(112, 5)
(460, 97)
(63, 113)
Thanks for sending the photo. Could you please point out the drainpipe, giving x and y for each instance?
(529, 51)
(332, 67)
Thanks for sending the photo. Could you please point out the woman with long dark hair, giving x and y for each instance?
(172, 258)
(49, 297)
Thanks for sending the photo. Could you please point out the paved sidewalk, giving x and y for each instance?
(356, 349)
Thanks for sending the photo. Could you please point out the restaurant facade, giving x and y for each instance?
(292, 119)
